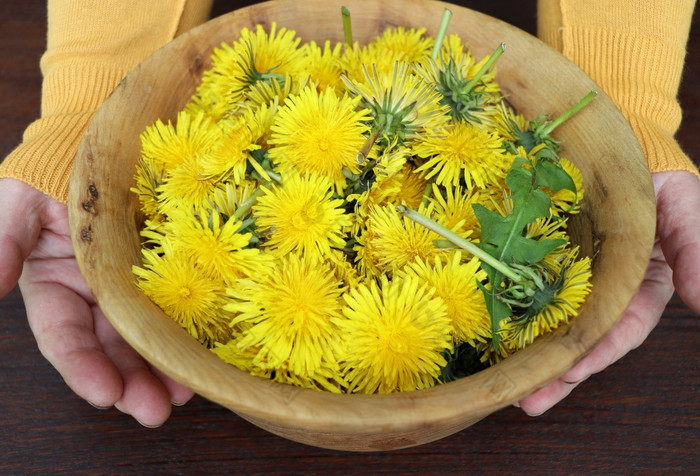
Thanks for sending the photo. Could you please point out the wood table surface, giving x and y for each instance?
(641, 415)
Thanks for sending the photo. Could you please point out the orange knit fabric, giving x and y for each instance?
(635, 50)
(91, 46)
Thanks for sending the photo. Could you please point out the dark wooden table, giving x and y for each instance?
(641, 415)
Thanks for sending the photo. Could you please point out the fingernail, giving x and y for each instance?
(149, 426)
(98, 407)
(178, 404)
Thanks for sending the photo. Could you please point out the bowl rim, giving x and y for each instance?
(319, 418)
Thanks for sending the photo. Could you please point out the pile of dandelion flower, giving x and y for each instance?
(358, 218)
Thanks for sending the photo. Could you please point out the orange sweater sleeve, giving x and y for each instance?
(635, 50)
(91, 45)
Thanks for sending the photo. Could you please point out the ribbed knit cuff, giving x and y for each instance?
(91, 47)
(635, 52)
(641, 75)
(44, 160)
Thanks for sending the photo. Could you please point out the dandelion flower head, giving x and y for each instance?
(320, 133)
(395, 333)
(463, 154)
(290, 312)
(302, 216)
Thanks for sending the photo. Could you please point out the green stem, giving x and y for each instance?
(496, 54)
(245, 207)
(245, 224)
(426, 194)
(367, 147)
(443, 244)
(461, 242)
(347, 25)
(274, 176)
(573, 110)
(446, 16)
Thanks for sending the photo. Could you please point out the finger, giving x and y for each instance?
(179, 394)
(62, 323)
(546, 397)
(638, 321)
(144, 396)
(678, 228)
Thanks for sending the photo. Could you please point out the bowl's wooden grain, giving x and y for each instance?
(616, 225)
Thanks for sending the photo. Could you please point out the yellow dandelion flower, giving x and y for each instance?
(455, 283)
(148, 178)
(229, 157)
(260, 120)
(302, 216)
(215, 244)
(290, 311)
(256, 56)
(464, 152)
(508, 124)
(169, 145)
(453, 209)
(402, 105)
(391, 162)
(386, 178)
(565, 292)
(213, 94)
(401, 44)
(366, 256)
(356, 61)
(412, 189)
(317, 132)
(403, 187)
(267, 92)
(186, 293)
(186, 185)
(326, 378)
(393, 241)
(394, 336)
(229, 197)
(343, 269)
(274, 52)
(323, 64)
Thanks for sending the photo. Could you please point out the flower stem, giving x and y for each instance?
(443, 244)
(347, 25)
(573, 110)
(426, 194)
(367, 147)
(248, 203)
(496, 54)
(461, 242)
(446, 16)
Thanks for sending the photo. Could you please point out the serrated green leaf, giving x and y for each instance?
(498, 310)
(552, 175)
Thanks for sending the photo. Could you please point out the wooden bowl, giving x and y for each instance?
(616, 226)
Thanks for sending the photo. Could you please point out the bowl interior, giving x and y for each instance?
(616, 226)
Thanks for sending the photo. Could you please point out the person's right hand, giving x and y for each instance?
(70, 330)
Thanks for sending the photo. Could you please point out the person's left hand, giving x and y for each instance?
(675, 262)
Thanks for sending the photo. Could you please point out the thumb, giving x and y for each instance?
(20, 224)
(678, 230)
